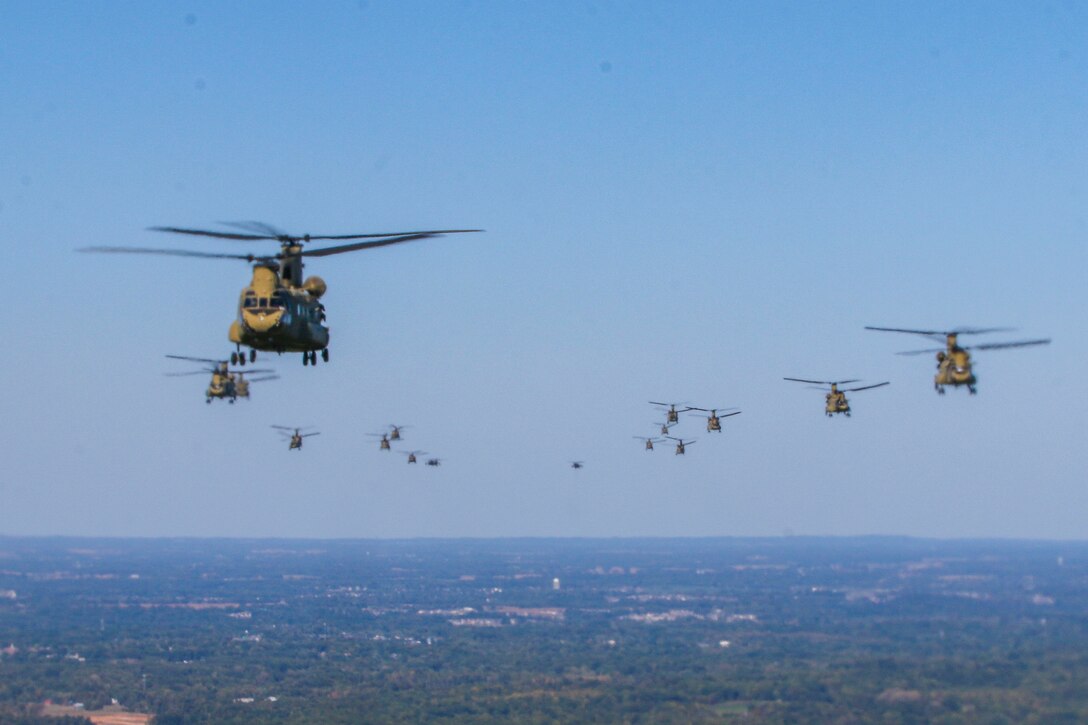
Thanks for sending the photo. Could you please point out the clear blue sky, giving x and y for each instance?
(683, 201)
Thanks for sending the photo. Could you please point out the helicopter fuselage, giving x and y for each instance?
(222, 386)
(278, 317)
(837, 403)
(954, 368)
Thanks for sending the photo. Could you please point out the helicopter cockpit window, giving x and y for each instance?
(262, 302)
(250, 301)
(279, 300)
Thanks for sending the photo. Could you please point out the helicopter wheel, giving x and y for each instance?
(253, 356)
(208, 401)
(305, 358)
(325, 354)
(971, 390)
(234, 358)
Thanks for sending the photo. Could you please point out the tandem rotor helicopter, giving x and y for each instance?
(279, 311)
(836, 399)
(681, 445)
(954, 361)
(714, 421)
(295, 435)
(672, 415)
(225, 383)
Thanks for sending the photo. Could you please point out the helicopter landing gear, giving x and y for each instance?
(234, 358)
(253, 356)
(325, 354)
(309, 358)
(305, 359)
(846, 413)
(208, 401)
(971, 389)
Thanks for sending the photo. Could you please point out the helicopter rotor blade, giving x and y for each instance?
(270, 231)
(264, 379)
(196, 359)
(944, 333)
(194, 372)
(307, 435)
(362, 245)
(802, 380)
(433, 232)
(217, 235)
(922, 352)
(867, 387)
(173, 253)
(730, 415)
(909, 332)
(1003, 345)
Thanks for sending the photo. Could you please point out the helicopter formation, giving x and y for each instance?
(281, 311)
(672, 418)
(226, 384)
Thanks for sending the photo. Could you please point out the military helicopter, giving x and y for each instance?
(384, 445)
(954, 361)
(665, 427)
(681, 445)
(650, 441)
(836, 399)
(412, 455)
(279, 311)
(714, 421)
(672, 414)
(241, 384)
(577, 464)
(434, 462)
(225, 384)
(295, 435)
(394, 432)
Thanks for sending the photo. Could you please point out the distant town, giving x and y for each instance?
(669, 630)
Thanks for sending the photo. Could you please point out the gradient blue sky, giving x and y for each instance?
(682, 201)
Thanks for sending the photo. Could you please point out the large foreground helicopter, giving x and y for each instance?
(225, 383)
(954, 361)
(714, 421)
(280, 311)
(295, 435)
(836, 399)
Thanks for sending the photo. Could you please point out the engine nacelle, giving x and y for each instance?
(315, 286)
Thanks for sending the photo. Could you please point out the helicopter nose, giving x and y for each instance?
(262, 321)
